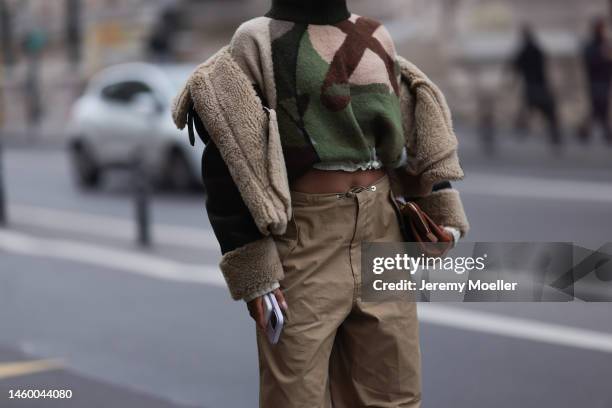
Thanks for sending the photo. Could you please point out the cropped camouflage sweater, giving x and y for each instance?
(334, 85)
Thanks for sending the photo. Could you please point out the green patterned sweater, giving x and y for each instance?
(334, 88)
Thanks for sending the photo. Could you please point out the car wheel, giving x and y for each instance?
(87, 172)
(178, 174)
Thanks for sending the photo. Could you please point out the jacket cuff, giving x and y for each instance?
(445, 208)
(261, 292)
(252, 268)
(455, 233)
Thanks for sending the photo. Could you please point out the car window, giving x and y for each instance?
(124, 92)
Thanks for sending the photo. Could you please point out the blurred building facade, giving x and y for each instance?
(462, 44)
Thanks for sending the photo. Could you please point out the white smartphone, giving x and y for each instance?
(274, 318)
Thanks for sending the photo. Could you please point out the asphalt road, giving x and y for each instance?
(126, 327)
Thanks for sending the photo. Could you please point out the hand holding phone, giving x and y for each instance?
(274, 318)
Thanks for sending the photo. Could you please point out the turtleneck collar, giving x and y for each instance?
(309, 11)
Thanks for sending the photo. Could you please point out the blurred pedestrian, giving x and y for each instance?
(74, 35)
(303, 117)
(597, 57)
(33, 44)
(6, 35)
(529, 64)
(161, 42)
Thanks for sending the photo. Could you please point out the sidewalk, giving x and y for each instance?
(517, 154)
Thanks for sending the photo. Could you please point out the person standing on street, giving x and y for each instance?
(597, 57)
(313, 125)
(530, 64)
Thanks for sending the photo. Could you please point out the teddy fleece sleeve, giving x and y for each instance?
(250, 262)
(445, 207)
(432, 145)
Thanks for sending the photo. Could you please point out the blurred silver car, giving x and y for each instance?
(124, 117)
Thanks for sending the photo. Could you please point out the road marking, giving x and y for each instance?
(109, 227)
(515, 327)
(113, 258)
(161, 268)
(21, 368)
(188, 237)
(542, 188)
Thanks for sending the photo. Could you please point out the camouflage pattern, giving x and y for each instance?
(337, 93)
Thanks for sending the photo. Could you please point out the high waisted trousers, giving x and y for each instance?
(335, 350)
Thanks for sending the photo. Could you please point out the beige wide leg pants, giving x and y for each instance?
(335, 350)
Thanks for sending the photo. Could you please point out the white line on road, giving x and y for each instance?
(189, 237)
(515, 327)
(109, 227)
(532, 187)
(161, 268)
(112, 258)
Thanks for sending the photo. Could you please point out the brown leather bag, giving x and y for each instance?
(433, 240)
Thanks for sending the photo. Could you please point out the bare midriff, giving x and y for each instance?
(335, 181)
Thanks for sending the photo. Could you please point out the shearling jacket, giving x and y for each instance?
(245, 145)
